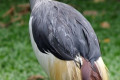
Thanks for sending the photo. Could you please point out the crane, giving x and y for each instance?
(64, 42)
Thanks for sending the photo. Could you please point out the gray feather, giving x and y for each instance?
(62, 30)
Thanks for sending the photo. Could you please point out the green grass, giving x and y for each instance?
(17, 59)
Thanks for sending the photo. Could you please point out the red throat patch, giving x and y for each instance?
(88, 73)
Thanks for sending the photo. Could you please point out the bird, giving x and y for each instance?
(64, 42)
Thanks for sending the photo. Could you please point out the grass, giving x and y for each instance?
(17, 59)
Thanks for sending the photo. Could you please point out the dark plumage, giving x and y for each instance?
(60, 29)
(64, 42)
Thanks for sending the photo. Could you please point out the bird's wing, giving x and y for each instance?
(63, 31)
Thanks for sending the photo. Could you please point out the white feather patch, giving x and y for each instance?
(102, 68)
(42, 57)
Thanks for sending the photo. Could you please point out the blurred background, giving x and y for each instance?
(17, 59)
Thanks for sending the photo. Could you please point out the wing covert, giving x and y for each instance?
(63, 31)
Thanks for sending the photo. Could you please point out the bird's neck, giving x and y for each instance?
(33, 2)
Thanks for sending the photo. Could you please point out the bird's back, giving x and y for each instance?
(57, 23)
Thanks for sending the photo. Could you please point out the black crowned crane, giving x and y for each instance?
(64, 42)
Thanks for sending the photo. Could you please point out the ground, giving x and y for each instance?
(17, 59)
